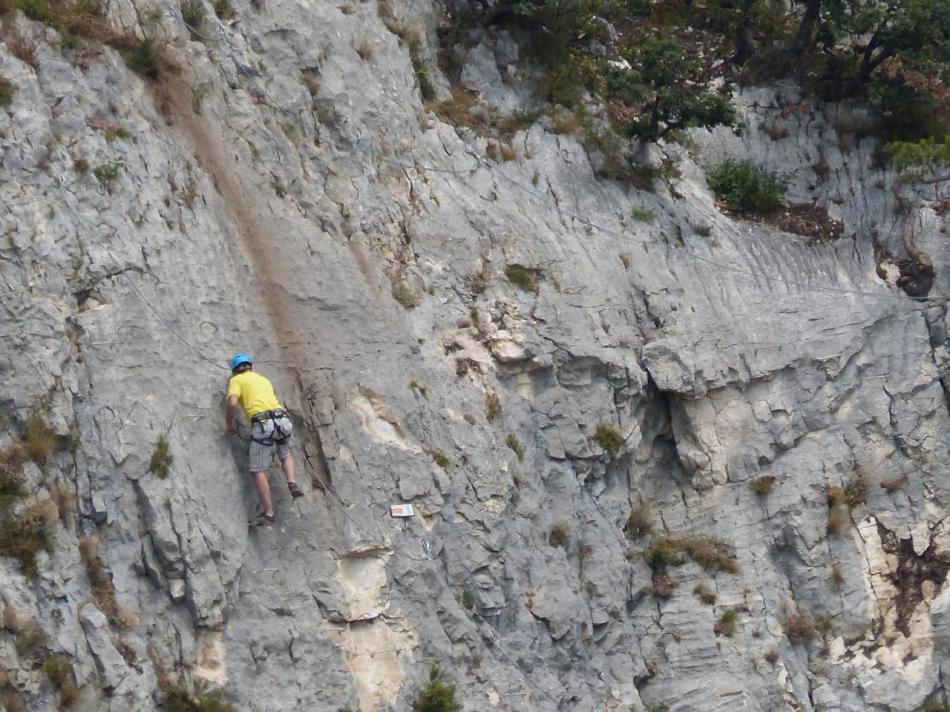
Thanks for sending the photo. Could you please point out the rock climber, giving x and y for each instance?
(270, 427)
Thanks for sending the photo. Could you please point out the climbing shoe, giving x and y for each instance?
(295, 490)
(264, 520)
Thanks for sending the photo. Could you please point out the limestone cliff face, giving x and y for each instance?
(288, 194)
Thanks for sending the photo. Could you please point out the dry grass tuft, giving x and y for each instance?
(641, 521)
(663, 586)
(560, 533)
(839, 520)
(799, 627)
(895, 485)
(492, 405)
(39, 440)
(365, 50)
(27, 531)
(29, 638)
(103, 590)
(704, 594)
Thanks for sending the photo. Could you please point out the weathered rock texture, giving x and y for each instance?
(286, 194)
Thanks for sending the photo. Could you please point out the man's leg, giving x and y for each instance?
(263, 491)
(287, 465)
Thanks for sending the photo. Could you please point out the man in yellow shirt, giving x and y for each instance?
(270, 427)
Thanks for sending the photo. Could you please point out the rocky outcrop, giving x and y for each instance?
(287, 193)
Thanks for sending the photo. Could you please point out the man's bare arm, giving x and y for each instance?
(232, 410)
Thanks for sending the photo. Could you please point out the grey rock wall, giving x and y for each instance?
(276, 196)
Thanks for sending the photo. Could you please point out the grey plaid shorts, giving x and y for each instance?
(259, 453)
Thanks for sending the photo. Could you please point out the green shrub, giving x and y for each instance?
(421, 67)
(661, 555)
(178, 698)
(193, 13)
(224, 10)
(161, 460)
(7, 90)
(609, 438)
(524, 278)
(746, 188)
(762, 486)
(440, 459)
(11, 479)
(515, 445)
(437, 696)
(106, 174)
(726, 625)
(645, 215)
(143, 59)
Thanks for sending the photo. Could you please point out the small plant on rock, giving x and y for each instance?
(895, 485)
(726, 625)
(661, 555)
(59, 670)
(515, 445)
(762, 486)
(7, 90)
(224, 10)
(440, 459)
(106, 174)
(799, 627)
(24, 533)
(524, 278)
(161, 460)
(144, 59)
(39, 439)
(193, 13)
(559, 534)
(403, 292)
(178, 698)
(437, 696)
(640, 521)
(492, 405)
(704, 594)
(711, 554)
(644, 215)
(609, 438)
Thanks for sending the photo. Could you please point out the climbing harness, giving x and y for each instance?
(276, 434)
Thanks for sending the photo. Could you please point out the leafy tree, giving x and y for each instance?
(914, 32)
(663, 80)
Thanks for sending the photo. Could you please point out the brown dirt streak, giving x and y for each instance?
(175, 98)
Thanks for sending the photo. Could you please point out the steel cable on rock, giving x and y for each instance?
(119, 270)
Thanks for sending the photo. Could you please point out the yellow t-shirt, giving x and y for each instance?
(255, 393)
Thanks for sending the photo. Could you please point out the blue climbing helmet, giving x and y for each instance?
(240, 360)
